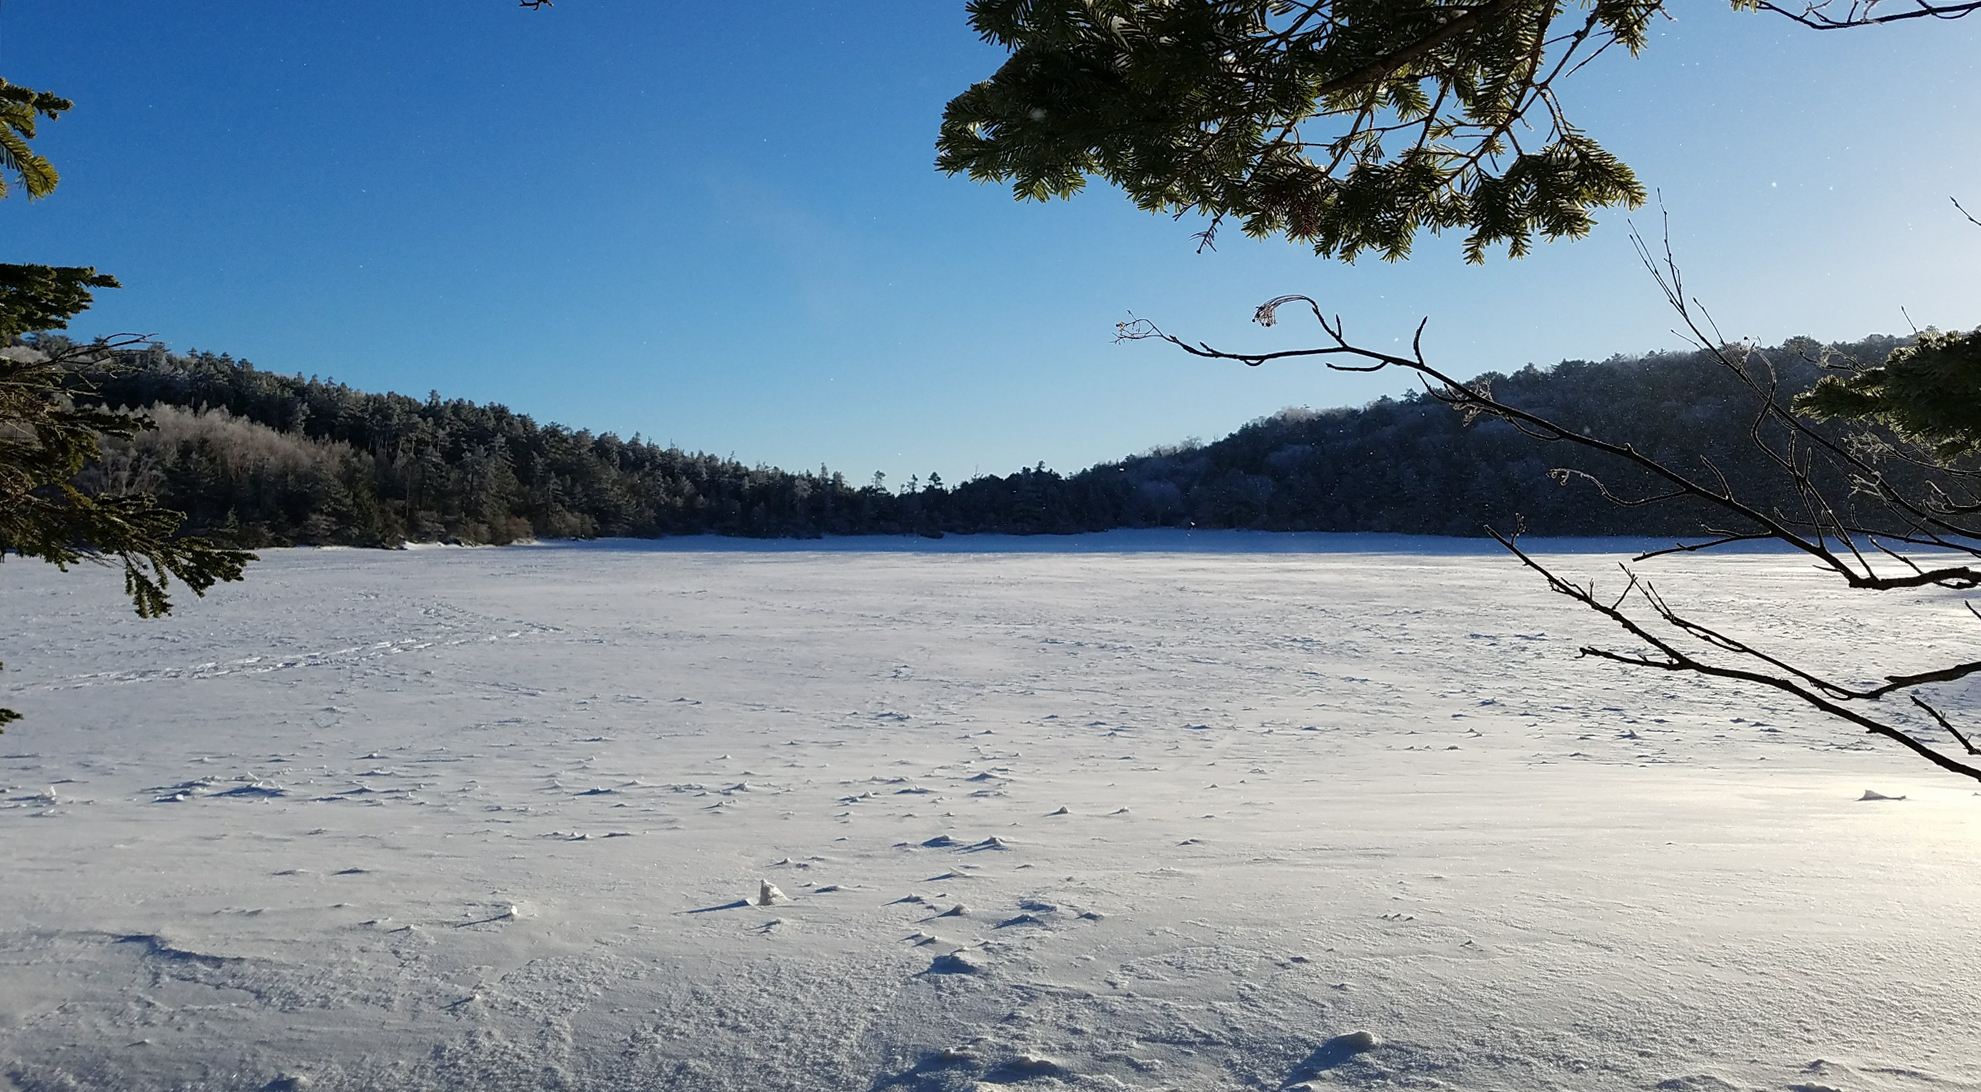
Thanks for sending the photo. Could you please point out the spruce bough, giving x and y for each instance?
(46, 439)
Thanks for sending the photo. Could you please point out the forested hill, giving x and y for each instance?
(1413, 465)
(263, 458)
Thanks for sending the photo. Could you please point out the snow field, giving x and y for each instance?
(1106, 816)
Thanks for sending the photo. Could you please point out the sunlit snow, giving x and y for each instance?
(1141, 811)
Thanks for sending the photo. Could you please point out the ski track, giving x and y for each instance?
(702, 816)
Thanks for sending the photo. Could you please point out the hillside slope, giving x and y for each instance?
(265, 458)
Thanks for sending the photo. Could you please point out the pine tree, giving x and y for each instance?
(46, 439)
(1349, 125)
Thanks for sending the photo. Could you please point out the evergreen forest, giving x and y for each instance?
(256, 458)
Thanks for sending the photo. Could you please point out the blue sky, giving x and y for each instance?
(720, 226)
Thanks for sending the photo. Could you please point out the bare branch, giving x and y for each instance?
(1860, 13)
(1948, 725)
(1696, 547)
(1460, 396)
(1677, 660)
(1813, 465)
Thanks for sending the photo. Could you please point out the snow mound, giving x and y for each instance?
(956, 963)
(1699, 1082)
(1024, 1067)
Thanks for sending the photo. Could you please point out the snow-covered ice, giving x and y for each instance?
(1114, 812)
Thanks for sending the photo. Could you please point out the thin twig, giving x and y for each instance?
(1948, 725)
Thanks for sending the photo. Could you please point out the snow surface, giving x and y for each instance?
(1120, 811)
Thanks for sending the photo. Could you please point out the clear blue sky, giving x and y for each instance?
(719, 224)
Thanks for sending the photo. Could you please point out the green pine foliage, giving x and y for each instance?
(45, 297)
(49, 435)
(48, 432)
(1928, 392)
(20, 109)
(1349, 125)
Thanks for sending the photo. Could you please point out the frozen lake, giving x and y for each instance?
(1124, 811)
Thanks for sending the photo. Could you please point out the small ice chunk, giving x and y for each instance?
(1355, 1042)
(768, 894)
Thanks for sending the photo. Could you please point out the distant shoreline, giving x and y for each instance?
(1146, 540)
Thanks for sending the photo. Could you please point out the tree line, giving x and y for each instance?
(257, 458)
